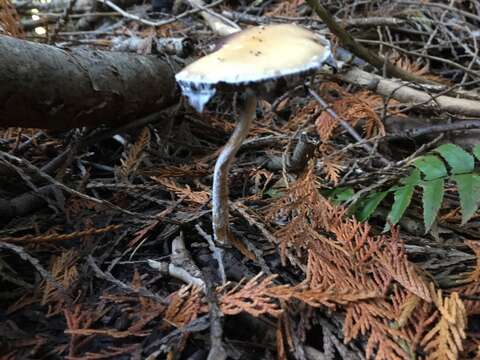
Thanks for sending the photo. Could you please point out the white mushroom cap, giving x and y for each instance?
(258, 54)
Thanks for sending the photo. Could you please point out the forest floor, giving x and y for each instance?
(341, 248)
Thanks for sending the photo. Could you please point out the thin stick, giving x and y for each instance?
(359, 50)
(130, 16)
(220, 176)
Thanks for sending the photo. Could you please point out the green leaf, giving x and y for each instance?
(459, 160)
(412, 179)
(476, 151)
(341, 194)
(273, 193)
(469, 192)
(401, 200)
(369, 205)
(432, 201)
(431, 166)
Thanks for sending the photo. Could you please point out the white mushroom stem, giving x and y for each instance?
(220, 208)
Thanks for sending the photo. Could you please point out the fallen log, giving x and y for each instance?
(42, 86)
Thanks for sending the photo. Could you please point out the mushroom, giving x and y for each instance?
(250, 61)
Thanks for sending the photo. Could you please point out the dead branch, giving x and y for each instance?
(403, 93)
(353, 22)
(25, 203)
(20, 251)
(42, 86)
(350, 44)
(125, 287)
(434, 129)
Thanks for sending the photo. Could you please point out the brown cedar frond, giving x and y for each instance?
(293, 236)
(64, 270)
(261, 297)
(285, 8)
(332, 169)
(9, 20)
(185, 305)
(196, 169)
(417, 67)
(302, 205)
(414, 317)
(301, 115)
(253, 297)
(300, 197)
(280, 335)
(407, 307)
(78, 319)
(395, 262)
(131, 159)
(331, 163)
(62, 237)
(148, 310)
(350, 268)
(332, 297)
(113, 333)
(352, 108)
(343, 274)
(325, 125)
(405, 63)
(197, 197)
(445, 340)
(347, 260)
(389, 337)
(475, 274)
(110, 352)
(472, 307)
(374, 318)
(257, 297)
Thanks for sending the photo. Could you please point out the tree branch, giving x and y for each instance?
(359, 50)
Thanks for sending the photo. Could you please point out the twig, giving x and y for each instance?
(20, 251)
(443, 6)
(426, 56)
(352, 22)
(433, 129)
(110, 278)
(350, 44)
(62, 20)
(69, 190)
(217, 350)
(127, 15)
(217, 253)
(200, 324)
(62, 237)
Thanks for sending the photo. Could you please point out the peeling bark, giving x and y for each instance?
(42, 86)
